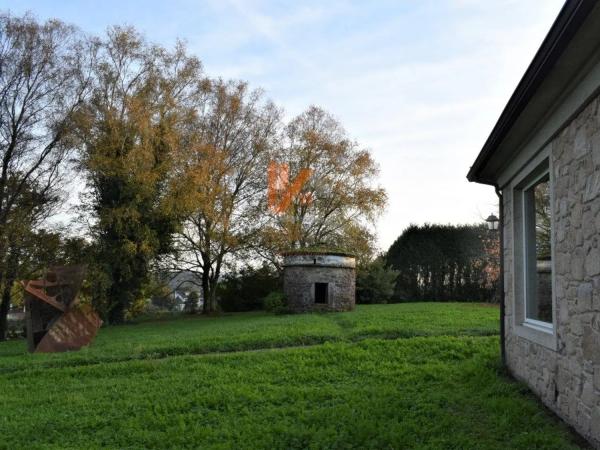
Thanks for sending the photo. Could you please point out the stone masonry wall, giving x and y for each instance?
(568, 379)
(298, 286)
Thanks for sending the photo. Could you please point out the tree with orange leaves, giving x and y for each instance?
(140, 110)
(221, 175)
(338, 202)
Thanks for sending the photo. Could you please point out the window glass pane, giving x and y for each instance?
(538, 252)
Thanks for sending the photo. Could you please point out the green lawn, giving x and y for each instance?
(414, 376)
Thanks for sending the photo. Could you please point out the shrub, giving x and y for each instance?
(163, 298)
(16, 329)
(275, 302)
(244, 290)
(375, 283)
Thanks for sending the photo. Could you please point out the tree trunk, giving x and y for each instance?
(118, 295)
(209, 284)
(205, 292)
(211, 297)
(116, 315)
(9, 278)
(4, 306)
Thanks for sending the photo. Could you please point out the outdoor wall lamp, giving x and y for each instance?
(492, 222)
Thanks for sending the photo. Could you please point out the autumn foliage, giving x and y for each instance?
(173, 165)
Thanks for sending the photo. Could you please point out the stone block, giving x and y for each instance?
(595, 150)
(584, 420)
(592, 262)
(596, 295)
(595, 423)
(577, 264)
(563, 263)
(587, 394)
(576, 215)
(591, 345)
(584, 297)
(563, 314)
(588, 225)
(576, 328)
(582, 143)
(592, 187)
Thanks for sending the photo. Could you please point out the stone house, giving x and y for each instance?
(319, 281)
(543, 158)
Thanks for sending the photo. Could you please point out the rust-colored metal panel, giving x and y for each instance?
(74, 329)
(56, 321)
(39, 294)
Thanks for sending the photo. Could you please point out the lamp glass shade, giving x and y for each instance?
(492, 222)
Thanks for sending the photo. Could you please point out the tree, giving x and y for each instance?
(491, 264)
(163, 297)
(191, 302)
(543, 211)
(137, 117)
(44, 77)
(338, 202)
(445, 262)
(245, 289)
(30, 252)
(375, 282)
(222, 173)
(31, 208)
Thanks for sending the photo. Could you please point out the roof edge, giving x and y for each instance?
(571, 16)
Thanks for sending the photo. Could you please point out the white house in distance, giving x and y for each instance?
(543, 158)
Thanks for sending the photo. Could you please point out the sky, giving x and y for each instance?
(420, 83)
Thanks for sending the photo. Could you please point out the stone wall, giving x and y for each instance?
(567, 378)
(300, 275)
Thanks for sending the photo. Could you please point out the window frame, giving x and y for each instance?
(543, 333)
(529, 247)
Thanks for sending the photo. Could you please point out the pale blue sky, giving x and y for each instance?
(420, 83)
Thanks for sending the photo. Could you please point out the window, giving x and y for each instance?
(321, 293)
(537, 251)
(533, 241)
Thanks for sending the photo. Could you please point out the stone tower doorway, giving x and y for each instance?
(321, 293)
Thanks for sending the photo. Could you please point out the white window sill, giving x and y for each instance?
(538, 325)
(541, 333)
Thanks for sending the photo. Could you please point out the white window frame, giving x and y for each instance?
(540, 325)
(543, 333)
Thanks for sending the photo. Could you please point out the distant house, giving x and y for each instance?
(180, 299)
(543, 158)
(180, 284)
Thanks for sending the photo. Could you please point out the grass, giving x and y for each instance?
(251, 331)
(415, 376)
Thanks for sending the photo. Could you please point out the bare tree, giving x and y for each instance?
(43, 79)
(543, 211)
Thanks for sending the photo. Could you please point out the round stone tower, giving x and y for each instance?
(319, 281)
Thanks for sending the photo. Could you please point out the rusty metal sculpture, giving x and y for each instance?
(56, 320)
